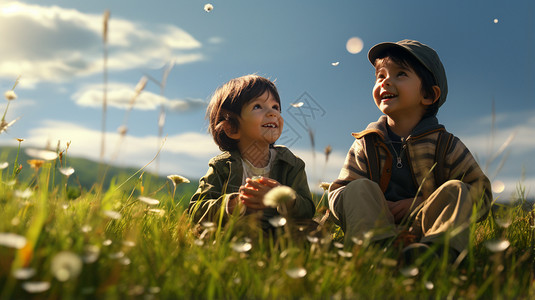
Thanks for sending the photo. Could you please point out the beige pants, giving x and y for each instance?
(361, 208)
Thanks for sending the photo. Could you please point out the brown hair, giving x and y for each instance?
(227, 102)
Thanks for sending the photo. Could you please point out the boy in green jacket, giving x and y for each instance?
(245, 121)
(399, 168)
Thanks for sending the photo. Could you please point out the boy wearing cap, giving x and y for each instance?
(399, 170)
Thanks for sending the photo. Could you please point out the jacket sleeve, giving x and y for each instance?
(210, 200)
(464, 167)
(355, 167)
(304, 207)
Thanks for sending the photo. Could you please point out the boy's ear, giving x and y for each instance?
(431, 100)
(231, 132)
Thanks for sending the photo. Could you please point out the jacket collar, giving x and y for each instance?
(425, 126)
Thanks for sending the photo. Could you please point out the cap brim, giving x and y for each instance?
(377, 49)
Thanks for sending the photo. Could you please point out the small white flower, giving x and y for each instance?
(279, 195)
(10, 95)
(149, 201)
(24, 273)
(177, 179)
(25, 194)
(296, 272)
(12, 240)
(34, 287)
(498, 245)
(241, 247)
(66, 265)
(66, 171)
(42, 154)
(208, 7)
(112, 214)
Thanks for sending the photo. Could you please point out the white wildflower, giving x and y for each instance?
(66, 265)
(149, 201)
(208, 7)
(279, 195)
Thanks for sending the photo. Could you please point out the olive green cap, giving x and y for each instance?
(424, 54)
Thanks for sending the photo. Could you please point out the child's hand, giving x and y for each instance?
(400, 208)
(252, 193)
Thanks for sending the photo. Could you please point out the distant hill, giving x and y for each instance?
(88, 172)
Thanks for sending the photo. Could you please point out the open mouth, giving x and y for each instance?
(270, 125)
(386, 96)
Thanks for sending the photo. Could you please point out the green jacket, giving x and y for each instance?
(224, 177)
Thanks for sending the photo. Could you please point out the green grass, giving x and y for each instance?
(159, 255)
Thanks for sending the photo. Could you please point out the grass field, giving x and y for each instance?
(133, 240)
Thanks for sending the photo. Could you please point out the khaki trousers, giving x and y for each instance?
(361, 208)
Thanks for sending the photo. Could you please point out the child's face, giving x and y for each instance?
(397, 91)
(260, 121)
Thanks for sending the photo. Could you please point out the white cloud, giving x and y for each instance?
(120, 95)
(50, 43)
(187, 149)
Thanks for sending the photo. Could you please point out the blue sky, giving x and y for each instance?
(487, 48)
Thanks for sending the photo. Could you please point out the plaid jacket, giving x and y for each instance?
(421, 146)
(224, 178)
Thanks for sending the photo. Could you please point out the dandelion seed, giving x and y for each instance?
(91, 254)
(25, 194)
(409, 271)
(241, 247)
(149, 201)
(107, 242)
(498, 245)
(295, 273)
(10, 95)
(66, 265)
(177, 179)
(325, 186)
(298, 104)
(354, 45)
(86, 228)
(4, 165)
(24, 273)
(277, 221)
(279, 195)
(34, 287)
(495, 21)
(334, 64)
(112, 214)
(42, 154)
(208, 7)
(66, 171)
(345, 254)
(429, 285)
